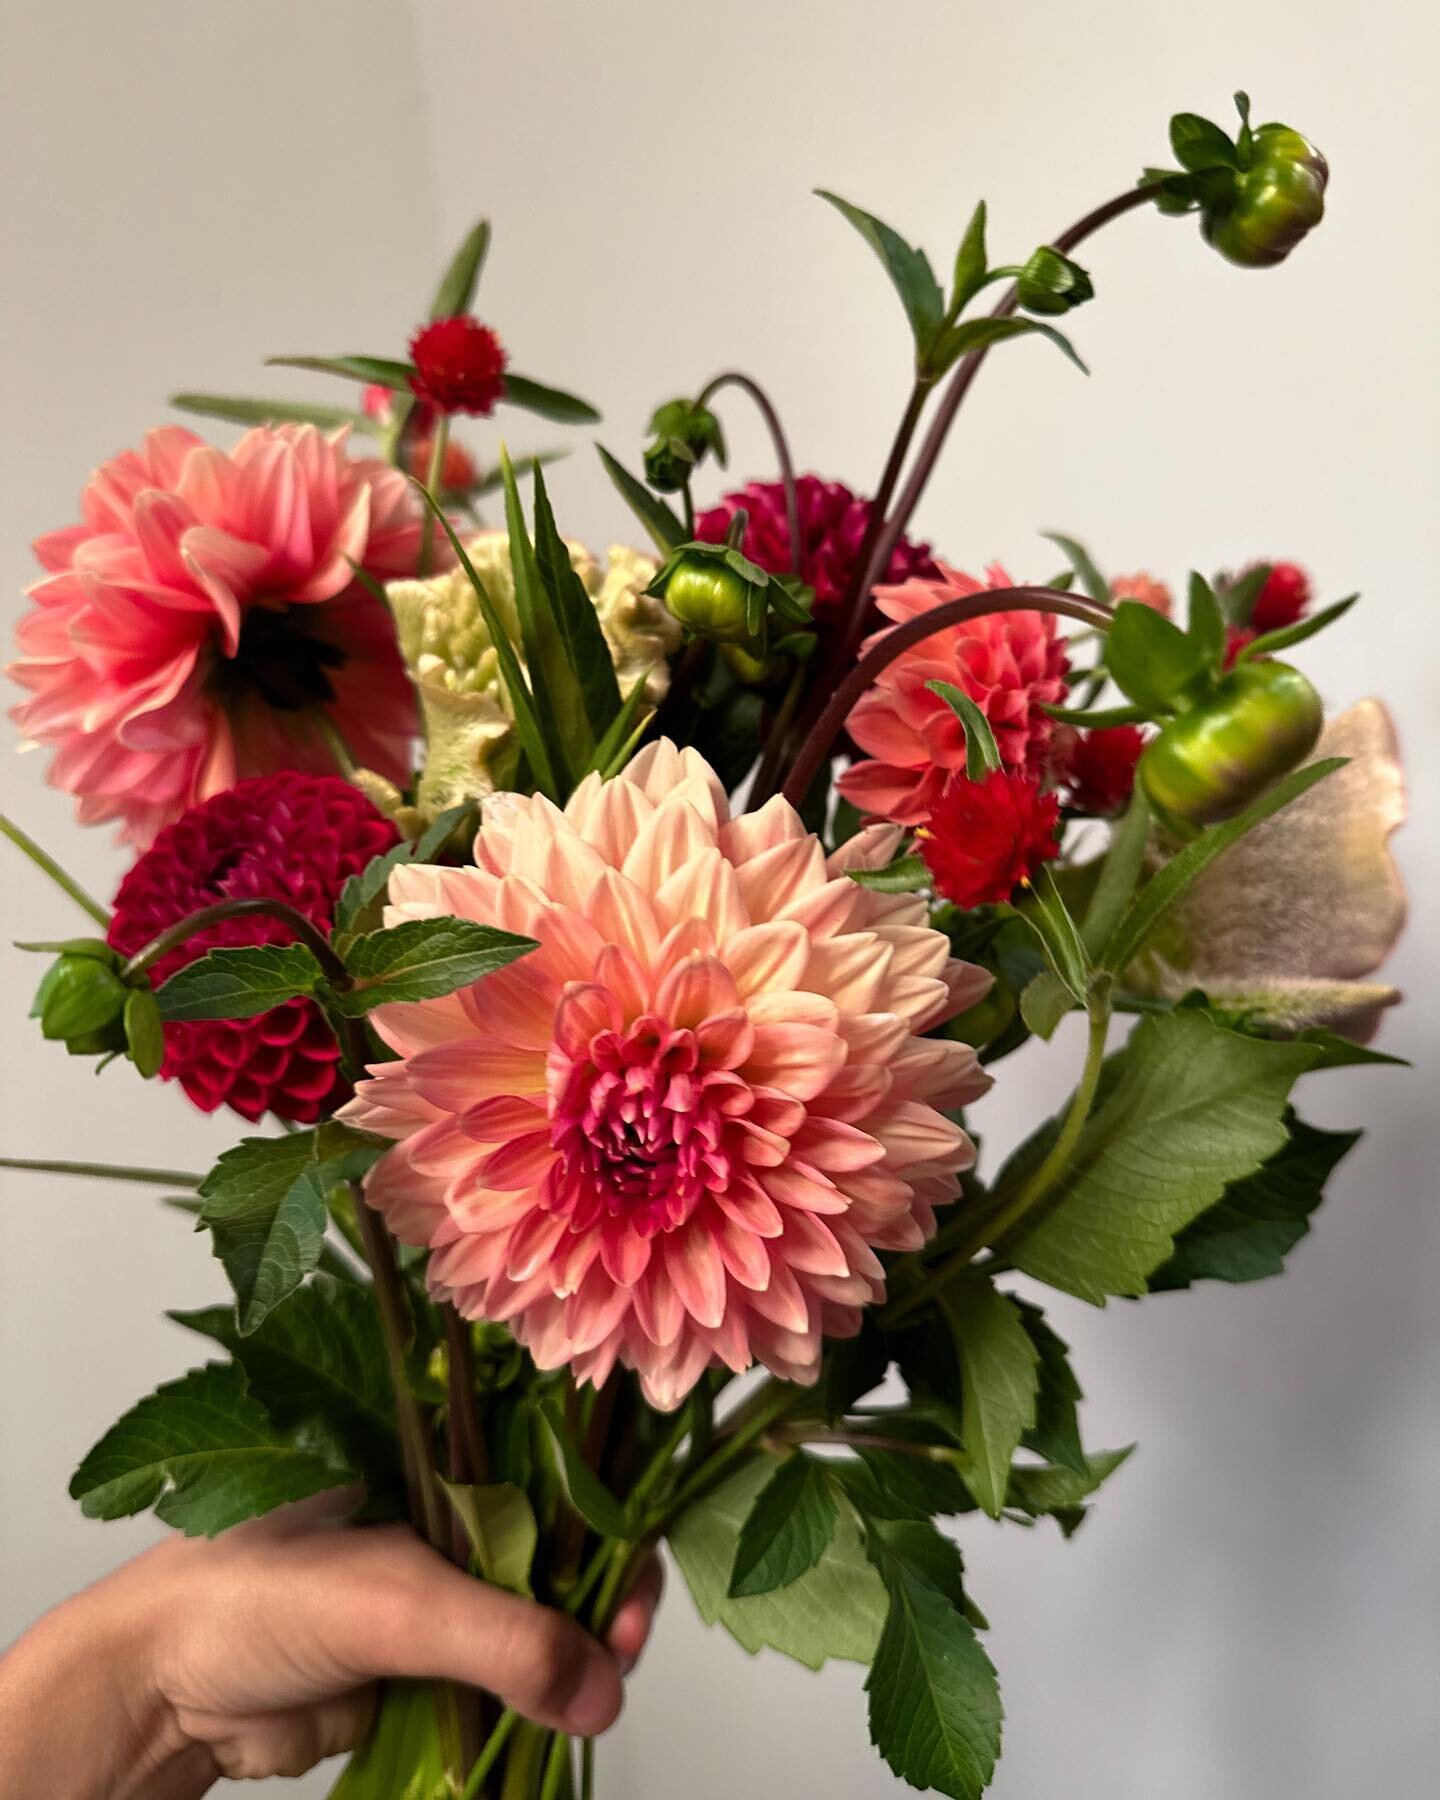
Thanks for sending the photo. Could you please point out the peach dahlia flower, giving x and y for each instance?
(677, 1132)
(204, 623)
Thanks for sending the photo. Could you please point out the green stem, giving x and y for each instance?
(557, 1767)
(432, 484)
(345, 763)
(490, 1755)
(48, 865)
(306, 932)
(756, 1417)
(104, 1171)
(587, 1769)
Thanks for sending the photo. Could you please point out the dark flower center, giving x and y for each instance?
(281, 660)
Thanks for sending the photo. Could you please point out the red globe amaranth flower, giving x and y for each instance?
(289, 837)
(1100, 769)
(1284, 599)
(1145, 589)
(833, 522)
(984, 838)
(459, 365)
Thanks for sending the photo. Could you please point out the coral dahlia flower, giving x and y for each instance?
(676, 1133)
(833, 523)
(1011, 664)
(204, 623)
(291, 837)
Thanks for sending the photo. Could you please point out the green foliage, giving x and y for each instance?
(422, 959)
(1206, 624)
(908, 268)
(904, 1485)
(971, 263)
(1119, 874)
(583, 654)
(659, 519)
(1047, 915)
(144, 1031)
(456, 292)
(500, 1524)
(240, 409)
(203, 1453)
(982, 754)
(1271, 641)
(381, 371)
(1081, 561)
(908, 874)
(588, 1493)
(999, 1373)
(402, 1759)
(1055, 1433)
(1186, 1108)
(548, 402)
(239, 983)
(1151, 660)
(788, 1530)
(1060, 1493)
(361, 897)
(836, 1609)
(979, 334)
(1247, 1234)
(1052, 283)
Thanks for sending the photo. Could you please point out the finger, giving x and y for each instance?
(630, 1628)
(383, 1603)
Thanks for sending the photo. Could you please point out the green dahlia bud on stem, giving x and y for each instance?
(716, 591)
(684, 435)
(1051, 283)
(1258, 723)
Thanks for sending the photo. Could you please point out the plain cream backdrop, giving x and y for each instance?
(1252, 1612)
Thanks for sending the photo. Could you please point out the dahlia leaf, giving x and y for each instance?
(442, 828)
(1338, 1052)
(1151, 660)
(908, 268)
(500, 1524)
(970, 263)
(1060, 1493)
(1271, 641)
(659, 519)
(1055, 1434)
(456, 292)
(982, 754)
(581, 641)
(361, 892)
(924, 1548)
(1250, 1230)
(239, 409)
(239, 983)
(548, 402)
(1000, 1376)
(204, 1453)
(935, 1713)
(905, 1485)
(144, 1031)
(1205, 626)
(1082, 564)
(789, 1528)
(836, 1609)
(402, 1758)
(378, 370)
(588, 1493)
(1162, 890)
(980, 334)
(422, 959)
(1199, 144)
(1044, 1002)
(1184, 1110)
(319, 1357)
(906, 875)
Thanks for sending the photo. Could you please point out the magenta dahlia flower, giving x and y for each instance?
(677, 1132)
(833, 522)
(291, 837)
(205, 623)
(1011, 664)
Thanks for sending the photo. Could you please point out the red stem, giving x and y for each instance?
(734, 378)
(900, 638)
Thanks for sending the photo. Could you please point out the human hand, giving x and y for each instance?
(257, 1653)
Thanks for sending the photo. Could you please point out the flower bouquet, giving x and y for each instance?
(616, 947)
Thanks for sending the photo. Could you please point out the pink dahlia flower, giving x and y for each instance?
(205, 624)
(833, 522)
(677, 1132)
(1012, 665)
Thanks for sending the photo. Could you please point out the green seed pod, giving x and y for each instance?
(1261, 720)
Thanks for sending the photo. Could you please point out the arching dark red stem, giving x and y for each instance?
(734, 378)
(900, 638)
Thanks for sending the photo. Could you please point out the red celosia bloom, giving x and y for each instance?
(986, 837)
(459, 365)
(1100, 769)
(1011, 664)
(1283, 600)
(1146, 589)
(289, 837)
(833, 522)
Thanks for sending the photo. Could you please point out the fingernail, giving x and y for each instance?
(626, 1663)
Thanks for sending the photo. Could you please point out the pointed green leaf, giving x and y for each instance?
(239, 409)
(144, 1031)
(1151, 660)
(613, 750)
(1044, 1002)
(1119, 875)
(380, 370)
(548, 402)
(999, 1366)
(1094, 719)
(239, 983)
(788, 1530)
(908, 874)
(661, 521)
(1055, 1435)
(1039, 1491)
(979, 334)
(500, 1524)
(1199, 144)
(363, 894)
(421, 959)
(970, 263)
(1271, 641)
(582, 643)
(1046, 913)
(982, 755)
(203, 1453)
(1206, 624)
(1081, 561)
(908, 268)
(456, 292)
(588, 1493)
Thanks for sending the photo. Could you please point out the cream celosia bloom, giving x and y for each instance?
(470, 742)
(677, 1132)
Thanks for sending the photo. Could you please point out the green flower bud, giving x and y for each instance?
(1272, 202)
(1050, 283)
(82, 1001)
(715, 591)
(684, 435)
(1260, 721)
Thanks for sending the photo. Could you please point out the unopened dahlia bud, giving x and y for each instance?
(714, 591)
(1273, 202)
(685, 434)
(81, 1001)
(1051, 283)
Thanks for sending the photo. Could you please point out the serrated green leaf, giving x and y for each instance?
(382, 371)
(548, 402)
(582, 646)
(898, 1484)
(318, 1357)
(1167, 886)
(1083, 564)
(1039, 1491)
(1250, 1230)
(660, 520)
(239, 983)
(906, 875)
(1336, 1052)
(500, 1524)
(1187, 1108)
(925, 1549)
(970, 263)
(239, 409)
(144, 1031)
(836, 1609)
(1149, 659)
(363, 893)
(1271, 641)
(421, 959)
(982, 754)
(935, 1712)
(1055, 1434)
(203, 1453)
(456, 292)
(979, 334)
(788, 1530)
(999, 1373)
(908, 268)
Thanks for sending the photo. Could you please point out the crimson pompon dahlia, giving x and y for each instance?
(677, 1132)
(289, 837)
(205, 623)
(1011, 664)
(833, 523)
(1099, 769)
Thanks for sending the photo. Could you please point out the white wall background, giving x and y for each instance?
(1253, 1610)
